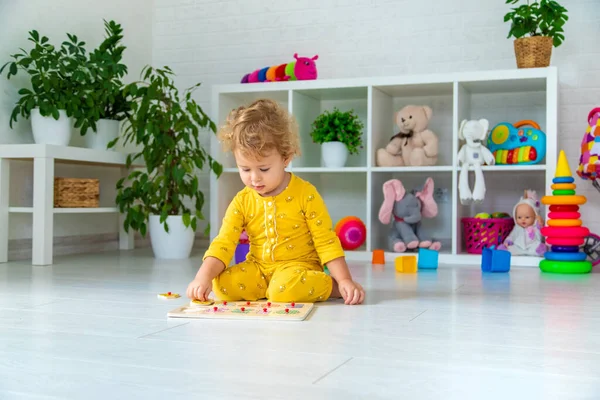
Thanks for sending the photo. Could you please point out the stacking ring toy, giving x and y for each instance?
(562, 192)
(564, 222)
(564, 208)
(565, 249)
(565, 231)
(579, 256)
(563, 179)
(562, 241)
(566, 267)
(564, 200)
(352, 232)
(564, 215)
(563, 186)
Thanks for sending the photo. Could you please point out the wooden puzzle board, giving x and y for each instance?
(261, 309)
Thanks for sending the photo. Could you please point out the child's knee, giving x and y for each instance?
(305, 287)
(221, 288)
(234, 284)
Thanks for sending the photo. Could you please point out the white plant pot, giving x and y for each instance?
(334, 154)
(175, 245)
(107, 130)
(47, 130)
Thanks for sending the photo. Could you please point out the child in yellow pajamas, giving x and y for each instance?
(288, 226)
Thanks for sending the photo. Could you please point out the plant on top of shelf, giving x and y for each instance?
(167, 193)
(537, 26)
(106, 105)
(339, 133)
(57, 76)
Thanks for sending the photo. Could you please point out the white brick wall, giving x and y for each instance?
(214, 41)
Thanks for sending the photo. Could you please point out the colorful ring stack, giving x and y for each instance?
(564, 232)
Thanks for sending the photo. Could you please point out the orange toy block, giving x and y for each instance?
(378, 257)
(406, 264)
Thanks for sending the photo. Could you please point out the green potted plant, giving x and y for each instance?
(339, 133)
(106, 105)
(56, 76)
(167, 130)
(537, 27)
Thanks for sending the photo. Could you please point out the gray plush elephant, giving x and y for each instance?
(407, 210)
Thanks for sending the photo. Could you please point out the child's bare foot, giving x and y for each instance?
(335, 291)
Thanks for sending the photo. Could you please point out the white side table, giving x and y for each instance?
(44, 158)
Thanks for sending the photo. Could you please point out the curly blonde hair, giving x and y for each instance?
(255, 130)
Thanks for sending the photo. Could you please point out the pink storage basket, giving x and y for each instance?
(479, 233)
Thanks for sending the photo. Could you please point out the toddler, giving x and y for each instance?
(287, 222)
(526, 237)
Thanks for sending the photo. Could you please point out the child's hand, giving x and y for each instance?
(199, 289)
(351, 292)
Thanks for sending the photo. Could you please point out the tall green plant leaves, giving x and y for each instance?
(57, 76)
(104, 87)
(167, 128)
(537, 18)
(64, 78)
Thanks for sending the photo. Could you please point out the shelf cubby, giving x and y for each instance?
(308, 104)
(503, 101)
(343, 197)
(387, 100)
(504, 188)
(439, 227)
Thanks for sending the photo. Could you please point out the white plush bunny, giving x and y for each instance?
(474, 153)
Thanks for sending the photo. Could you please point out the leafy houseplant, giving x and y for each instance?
(104, 97)
(167, 128)
(57, 76)
(340, 134)
(537, 27)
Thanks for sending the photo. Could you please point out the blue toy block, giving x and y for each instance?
(428, 259)
(493, 260)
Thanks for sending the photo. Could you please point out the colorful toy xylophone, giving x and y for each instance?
(513, 144)
(564, 231)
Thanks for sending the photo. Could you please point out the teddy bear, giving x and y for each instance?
(414, 144)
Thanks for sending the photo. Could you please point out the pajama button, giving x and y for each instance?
(269, 204)
(270, 217)
(272, 240)
(268, 251)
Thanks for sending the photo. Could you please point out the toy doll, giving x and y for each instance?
(526, 237)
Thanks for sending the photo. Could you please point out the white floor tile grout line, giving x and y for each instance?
(333, 370)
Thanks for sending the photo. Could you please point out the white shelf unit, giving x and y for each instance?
(499, 96)
(44, 158)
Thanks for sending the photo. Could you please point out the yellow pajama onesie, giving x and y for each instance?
(291, 237)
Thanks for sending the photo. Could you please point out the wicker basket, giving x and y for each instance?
(533, 52)
(76, 193)
(479, 233)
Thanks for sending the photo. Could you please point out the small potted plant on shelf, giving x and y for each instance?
(105, 102)
(57, 76)
(537, 27)
(339, 133)
(167, 128)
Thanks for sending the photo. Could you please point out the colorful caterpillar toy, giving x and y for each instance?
(513, 144)
(303, 69)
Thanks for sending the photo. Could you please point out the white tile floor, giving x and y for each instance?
(91, 327)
